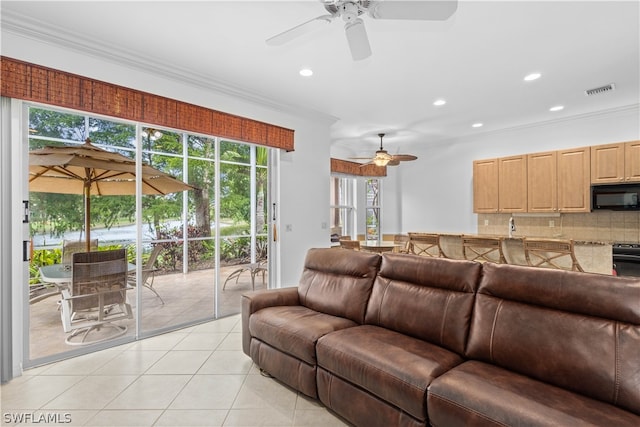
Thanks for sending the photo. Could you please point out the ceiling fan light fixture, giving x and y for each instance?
(380, 161)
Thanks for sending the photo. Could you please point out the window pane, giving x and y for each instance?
(261, 201)
(160, 140)
(262, 156)
(114, 134)
(235, 207)
(201, 147)
(54, 124)
(234, 152)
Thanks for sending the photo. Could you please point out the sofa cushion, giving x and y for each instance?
(578, 331)
(294, 329)
(338, 281)
(427, 298)
(479, 394)
(392, 366)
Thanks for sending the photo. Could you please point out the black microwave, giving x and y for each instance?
(615, 197)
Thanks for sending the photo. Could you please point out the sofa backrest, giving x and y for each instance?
(578, 331)
(424, 297)
(338, 281)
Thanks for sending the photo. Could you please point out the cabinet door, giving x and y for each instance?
(632, 161)
(542, 182)
(574, 180)
(607, 163)
(512, 187)
(485, 186)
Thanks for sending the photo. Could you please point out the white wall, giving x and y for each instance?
(437, 189)
(304, 174)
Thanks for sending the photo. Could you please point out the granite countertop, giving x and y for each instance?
(519, 238)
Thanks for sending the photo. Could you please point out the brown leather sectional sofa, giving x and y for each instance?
(403, 340)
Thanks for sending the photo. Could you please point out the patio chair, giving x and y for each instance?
(253, 268)
(70, 247)
(148, 272)
(551, 253)
(96, 297)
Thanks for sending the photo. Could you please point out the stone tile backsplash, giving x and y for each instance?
(601, 226)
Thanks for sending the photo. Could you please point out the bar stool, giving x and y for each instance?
(350, 244)
(425, 244)
(483, 249)
(551, 253)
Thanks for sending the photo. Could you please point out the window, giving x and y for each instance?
(343, 209)
(373, 208)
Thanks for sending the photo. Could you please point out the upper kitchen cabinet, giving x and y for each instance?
(542, 182)
(632, 161)
(485, 186)
(615, 163)
(574, 180)
(512, 187)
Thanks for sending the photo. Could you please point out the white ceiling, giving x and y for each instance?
(476, 61)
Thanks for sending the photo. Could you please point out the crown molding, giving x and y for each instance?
(470, 137)
(25, 26)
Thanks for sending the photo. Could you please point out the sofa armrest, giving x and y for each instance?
(257, 300)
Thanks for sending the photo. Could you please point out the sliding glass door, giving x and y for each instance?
(192, 254)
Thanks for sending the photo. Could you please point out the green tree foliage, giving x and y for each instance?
(57, 214)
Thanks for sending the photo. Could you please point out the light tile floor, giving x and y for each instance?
(196, 376)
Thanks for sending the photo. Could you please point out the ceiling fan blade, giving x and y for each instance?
(394, 162)
(404, 157)
(439, 10)
(298, 30)
(358, 40)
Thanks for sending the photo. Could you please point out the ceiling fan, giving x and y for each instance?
(350, 12)
(383, 158)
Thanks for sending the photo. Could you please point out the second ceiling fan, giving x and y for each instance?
(383, 158)
(350, 12)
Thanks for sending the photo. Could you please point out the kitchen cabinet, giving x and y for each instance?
(574, 180)
(615, 163)
(632, 161)
(512, 184)
(542, 182)
(485, 186)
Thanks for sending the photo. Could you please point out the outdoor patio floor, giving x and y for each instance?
(188, 298)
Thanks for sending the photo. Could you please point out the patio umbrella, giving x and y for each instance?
(86, 169)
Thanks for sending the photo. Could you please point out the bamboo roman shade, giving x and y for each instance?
(354, 168)
(32, 82)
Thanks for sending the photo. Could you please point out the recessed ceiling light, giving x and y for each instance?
(477, 125)
(557, 108)
(531, 77)
(306, 72)
(439, 102)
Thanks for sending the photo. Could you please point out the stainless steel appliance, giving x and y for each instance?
(626, 259)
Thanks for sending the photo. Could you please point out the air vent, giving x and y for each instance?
(599, 90)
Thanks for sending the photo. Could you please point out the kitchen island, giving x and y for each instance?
(594, 257)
